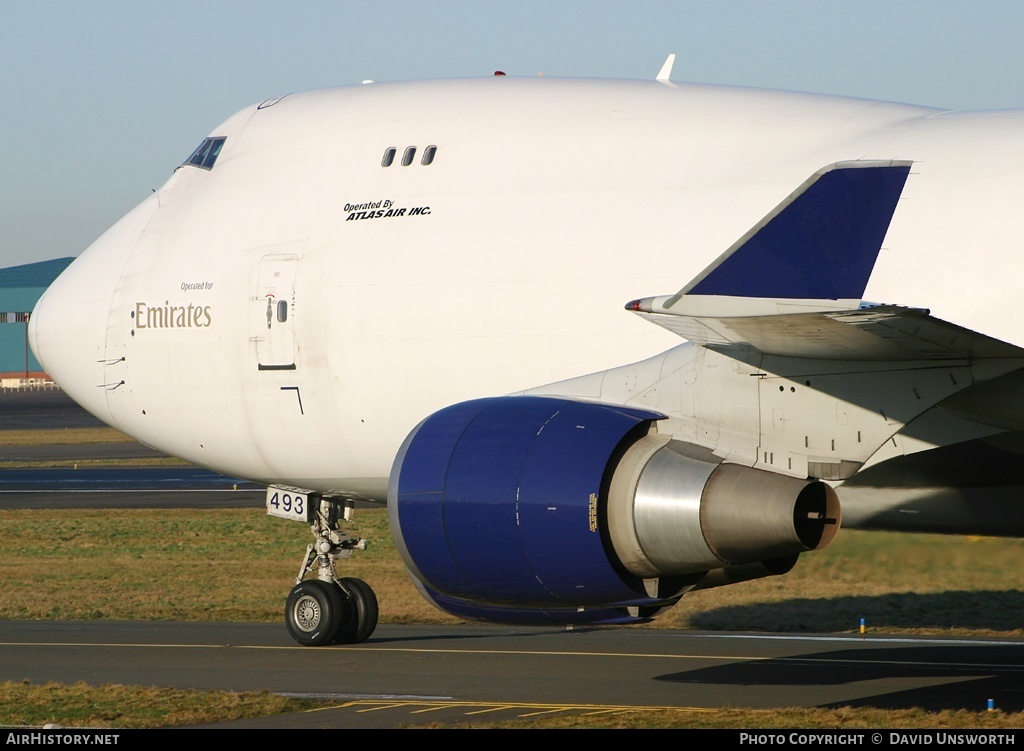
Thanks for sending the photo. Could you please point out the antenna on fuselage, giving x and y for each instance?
(666, 69)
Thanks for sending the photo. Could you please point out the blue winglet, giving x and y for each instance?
(820, 243)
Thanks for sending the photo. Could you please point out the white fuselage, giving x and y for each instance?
(503, 265)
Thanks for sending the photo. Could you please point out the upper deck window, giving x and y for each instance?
(206, 155)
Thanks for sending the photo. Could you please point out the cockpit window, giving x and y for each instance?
(206, 155)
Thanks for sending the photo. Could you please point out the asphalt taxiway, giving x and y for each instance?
(119, 487)
(408, 675)
(26, 409)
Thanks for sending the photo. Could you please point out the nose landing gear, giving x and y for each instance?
(328, 609)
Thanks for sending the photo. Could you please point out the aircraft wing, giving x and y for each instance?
(792, 285)
(884, 332)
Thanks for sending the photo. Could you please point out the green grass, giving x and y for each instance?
(773, 719)
(901, 583)
(184, 564)
(149, 461)
(180, 564)
(112, 706)
(66, 437)
(81, 705)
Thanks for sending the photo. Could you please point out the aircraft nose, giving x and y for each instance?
(66, 333)
(69, 327)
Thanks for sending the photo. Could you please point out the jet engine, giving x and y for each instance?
(529, 509)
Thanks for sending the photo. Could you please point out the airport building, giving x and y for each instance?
(20, 288)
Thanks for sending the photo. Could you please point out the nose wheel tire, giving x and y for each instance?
(362, 611)
(315, 612)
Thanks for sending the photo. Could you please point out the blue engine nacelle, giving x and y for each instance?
(548, 510)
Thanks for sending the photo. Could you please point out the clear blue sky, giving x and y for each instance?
(102, 99)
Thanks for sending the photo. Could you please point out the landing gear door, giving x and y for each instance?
(271, 313)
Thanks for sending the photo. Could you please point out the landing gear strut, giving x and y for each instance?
(326, 609)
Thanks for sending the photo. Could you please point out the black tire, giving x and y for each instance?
(363, 611)
(314, 612)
